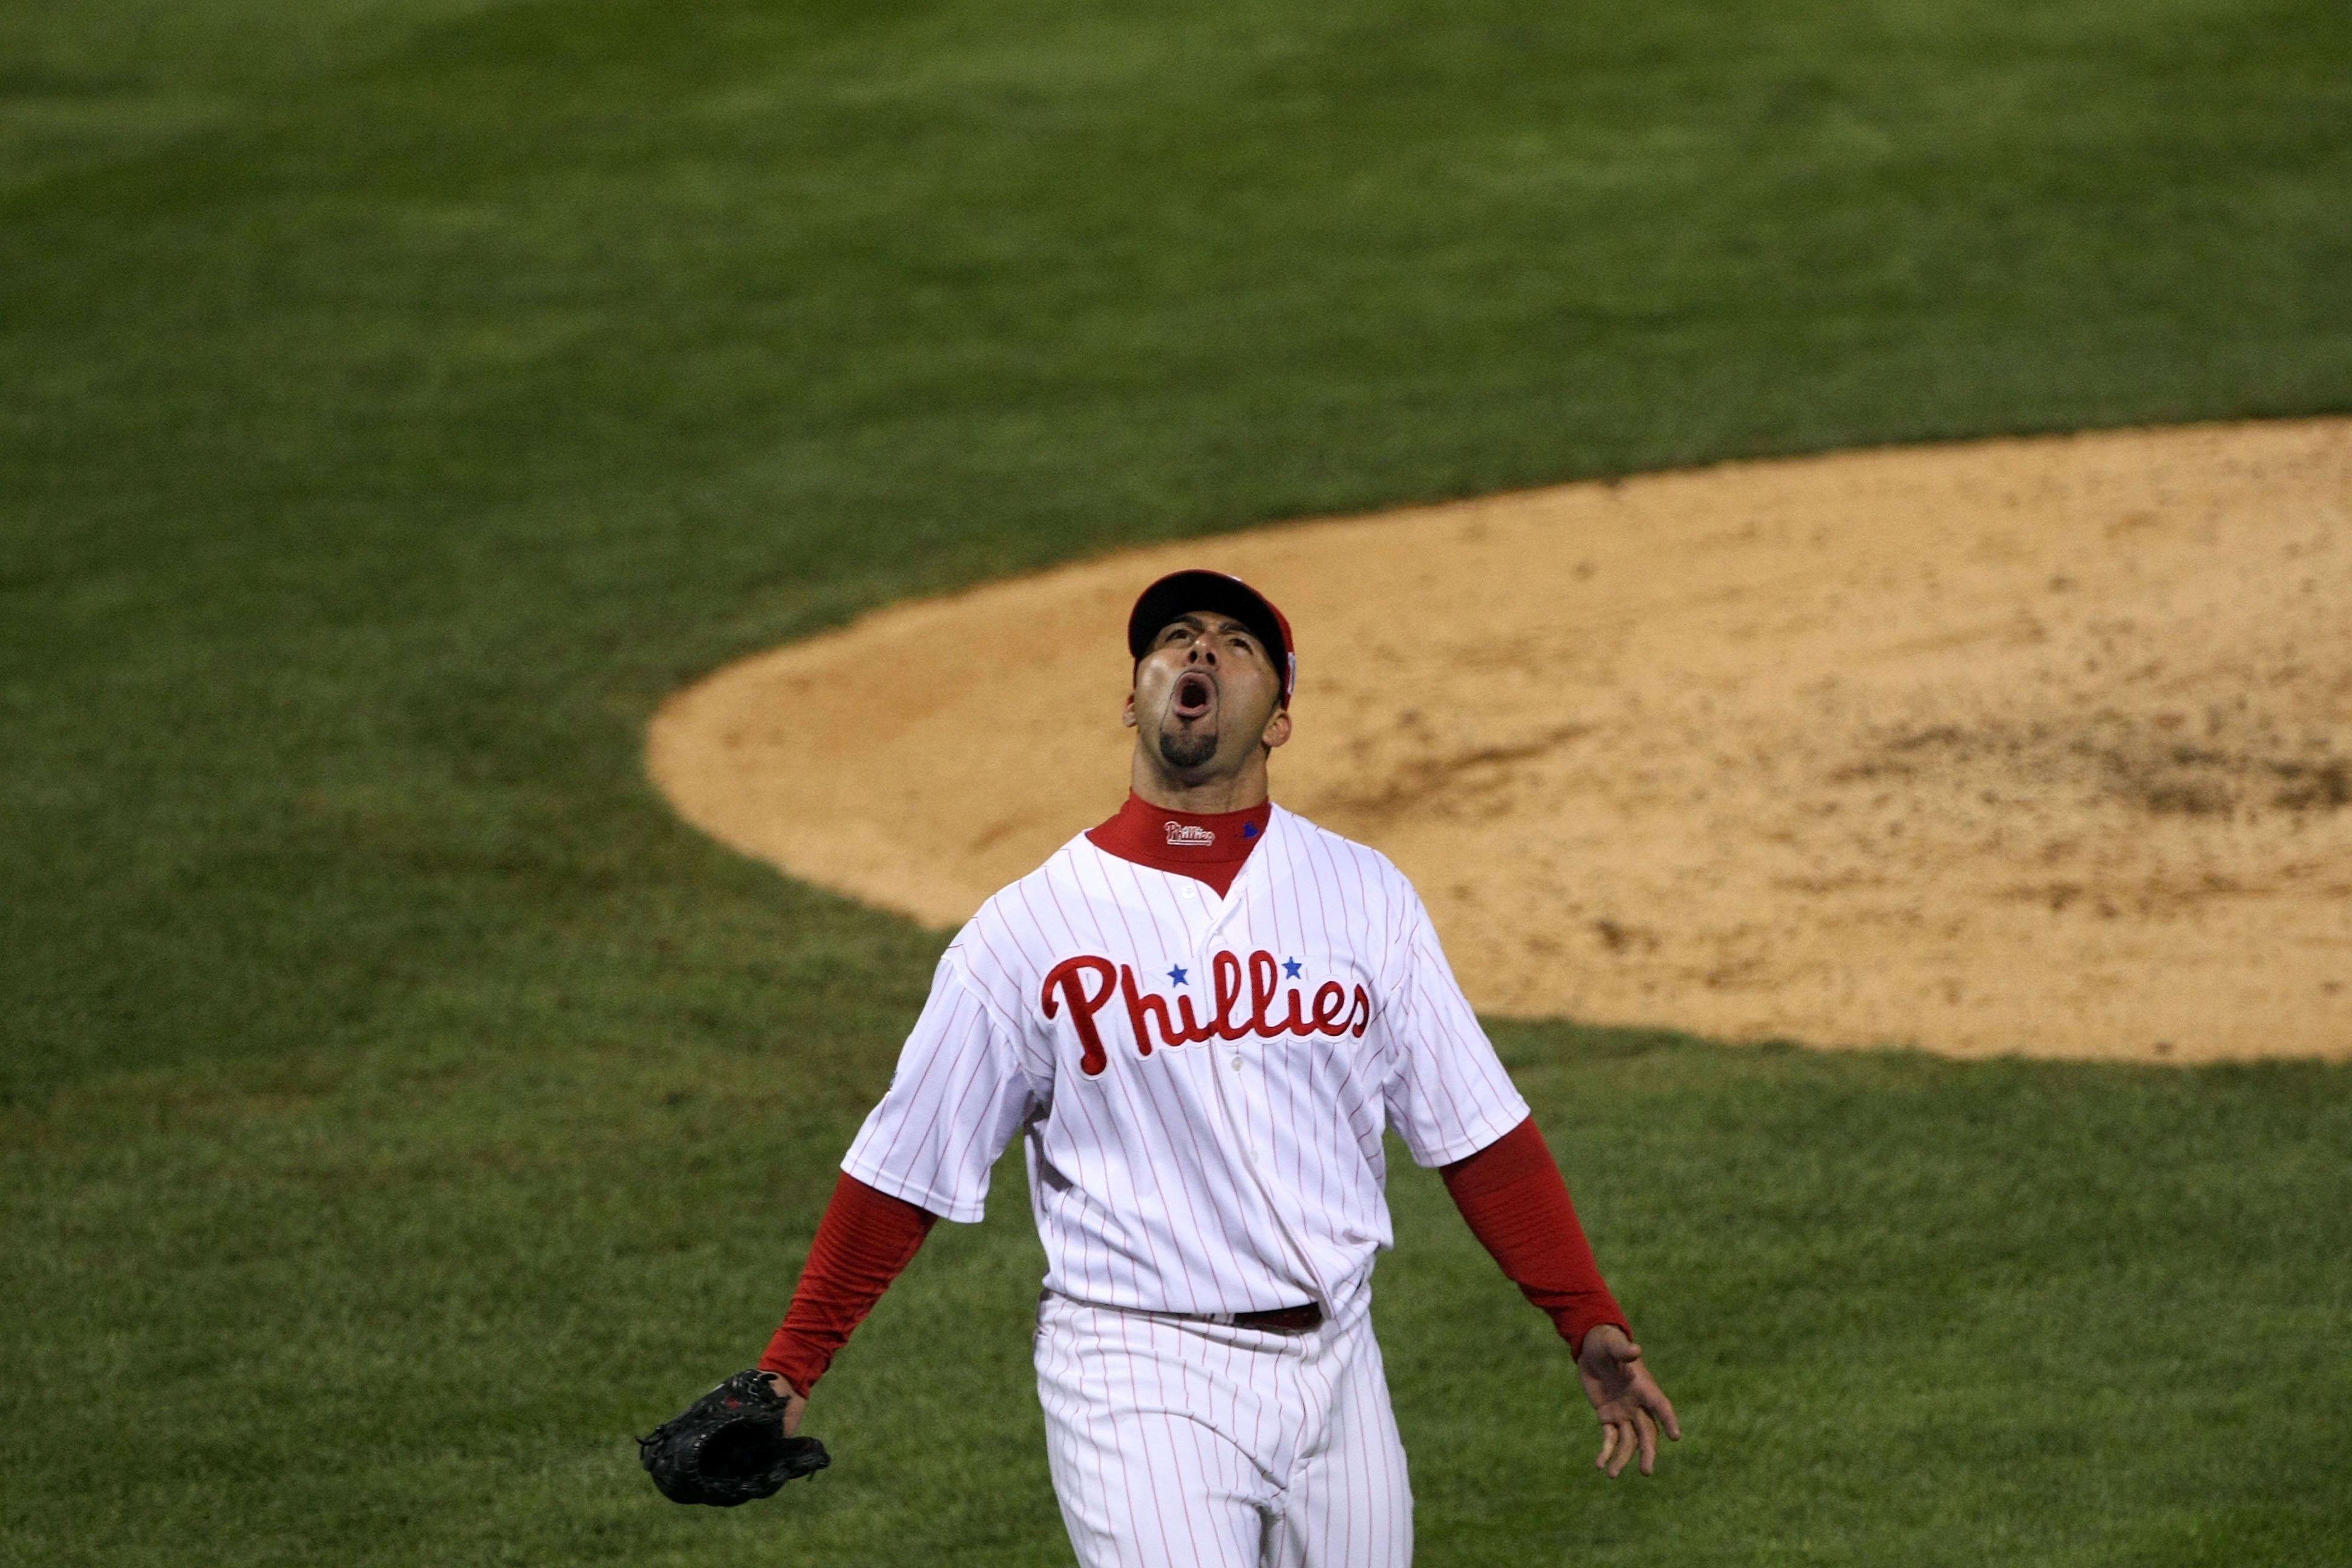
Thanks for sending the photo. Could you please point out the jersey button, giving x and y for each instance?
(1237, 1064)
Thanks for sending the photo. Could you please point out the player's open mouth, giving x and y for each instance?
(1195, 695)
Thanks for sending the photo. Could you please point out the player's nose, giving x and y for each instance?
(1203, 653)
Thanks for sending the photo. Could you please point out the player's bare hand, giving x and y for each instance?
(1632, 1406)
(793, 1404)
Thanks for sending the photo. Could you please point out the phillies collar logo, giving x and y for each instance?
(1086, 984)
(1184, 835)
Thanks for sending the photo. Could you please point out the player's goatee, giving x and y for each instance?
(1185, 751)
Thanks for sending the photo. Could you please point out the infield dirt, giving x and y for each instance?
(2038, 746)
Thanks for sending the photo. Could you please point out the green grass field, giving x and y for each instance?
(398, 1107)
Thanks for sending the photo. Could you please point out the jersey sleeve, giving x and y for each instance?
(961, 1092)
(1449, 1097)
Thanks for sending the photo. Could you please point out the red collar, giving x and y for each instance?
(1209, 847)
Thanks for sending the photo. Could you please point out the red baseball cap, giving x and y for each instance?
(1181, 593)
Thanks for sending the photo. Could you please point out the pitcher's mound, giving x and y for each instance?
(2039, 746)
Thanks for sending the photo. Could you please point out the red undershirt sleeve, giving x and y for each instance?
(1512, 1195)
(863, 1240)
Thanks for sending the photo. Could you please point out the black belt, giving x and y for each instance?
(1296, 1319)
(1284, 1319)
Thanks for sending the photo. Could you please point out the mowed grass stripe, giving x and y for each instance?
(398, 398)
(1912, 1309)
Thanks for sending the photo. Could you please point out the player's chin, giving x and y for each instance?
(1187, 748)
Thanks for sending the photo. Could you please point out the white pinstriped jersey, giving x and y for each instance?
(1201, 1082)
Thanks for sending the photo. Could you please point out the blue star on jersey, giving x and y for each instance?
(1176, 974)
(1290, 967)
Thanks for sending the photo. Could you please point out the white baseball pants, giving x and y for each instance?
(1177, 1443)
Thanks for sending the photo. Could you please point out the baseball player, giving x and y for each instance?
(1200, 1018)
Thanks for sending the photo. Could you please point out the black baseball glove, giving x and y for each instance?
(730, 1447)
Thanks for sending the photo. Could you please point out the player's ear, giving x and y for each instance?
(1277, 729)
(1127, 714)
